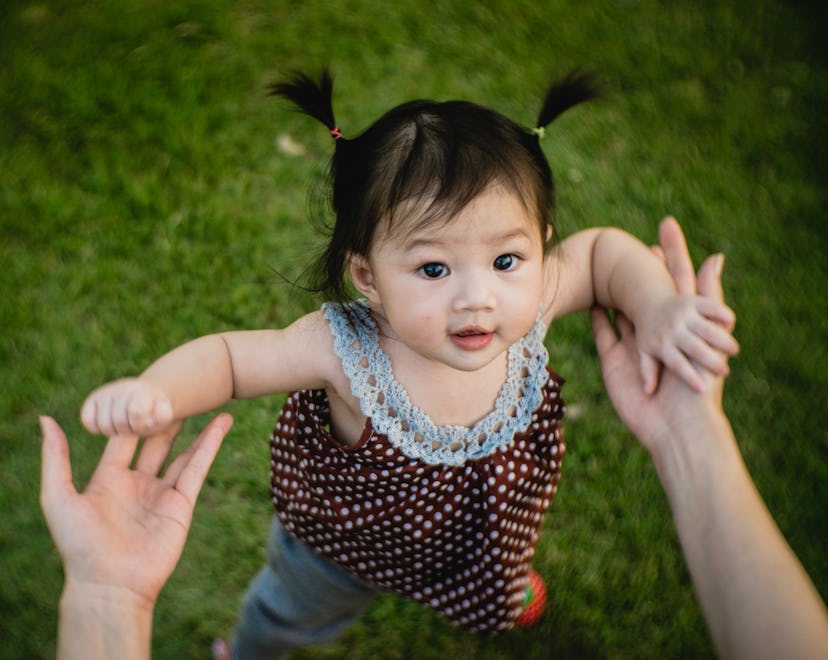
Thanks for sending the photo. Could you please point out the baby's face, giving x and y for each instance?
(461, 292)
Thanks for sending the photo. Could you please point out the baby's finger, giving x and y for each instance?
(162, 412)
(716, 311)
(698, 350)
(139, 413)
(716, 336)
(89, 415)
(103, 416)
(119, 412)
(678, 363)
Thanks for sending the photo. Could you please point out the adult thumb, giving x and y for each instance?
(55, 469)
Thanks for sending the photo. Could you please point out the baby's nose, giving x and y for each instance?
(474, 294)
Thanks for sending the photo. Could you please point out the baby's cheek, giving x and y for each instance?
(525, 309)
(527, 324)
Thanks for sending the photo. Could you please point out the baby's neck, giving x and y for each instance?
(449, 397)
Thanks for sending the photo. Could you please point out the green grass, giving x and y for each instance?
(143, 202)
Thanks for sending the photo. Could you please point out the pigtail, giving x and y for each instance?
(312, 98)
(576, 88)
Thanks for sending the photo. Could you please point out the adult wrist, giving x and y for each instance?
(695, 447)
(105, 595)
(101, 621)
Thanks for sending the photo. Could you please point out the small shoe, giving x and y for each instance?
(222, 650)
(534, 602)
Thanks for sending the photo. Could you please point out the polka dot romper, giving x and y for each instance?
(448, 516)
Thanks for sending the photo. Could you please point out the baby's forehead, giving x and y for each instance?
(494, 216)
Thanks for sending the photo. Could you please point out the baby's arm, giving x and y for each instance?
(205, 373)
(611, 268)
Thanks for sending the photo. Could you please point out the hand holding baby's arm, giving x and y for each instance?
(672, 329)
(615, 270)
(127, 406)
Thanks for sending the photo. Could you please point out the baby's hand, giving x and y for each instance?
(683, 330)
(130, 405)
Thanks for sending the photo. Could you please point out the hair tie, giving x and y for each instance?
(335, 132)
(540, 132)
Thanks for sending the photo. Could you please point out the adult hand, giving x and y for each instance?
(126, 531)
(653, 417)
(757, 599)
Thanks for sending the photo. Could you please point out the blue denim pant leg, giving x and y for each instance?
(298, 599)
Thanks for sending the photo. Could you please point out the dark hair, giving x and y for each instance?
(425, 161)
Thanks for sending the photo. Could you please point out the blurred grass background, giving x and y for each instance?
(145, 200)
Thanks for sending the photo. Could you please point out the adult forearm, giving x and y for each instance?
(103, 623)
(197, 376)
(756, 597)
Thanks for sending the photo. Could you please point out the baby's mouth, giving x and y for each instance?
(472, 338)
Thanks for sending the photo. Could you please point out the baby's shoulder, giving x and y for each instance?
(319, 336)
(315, 332)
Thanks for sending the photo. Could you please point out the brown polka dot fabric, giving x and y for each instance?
(459, 539)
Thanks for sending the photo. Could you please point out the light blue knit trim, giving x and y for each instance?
(411, 430)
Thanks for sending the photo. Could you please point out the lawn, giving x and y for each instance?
(151, 192)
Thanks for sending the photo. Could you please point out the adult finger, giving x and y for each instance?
(649, 369)
(156, 449)
(602, 330)
(710, 277)
(625, 328)
(55, 468)
(188, 471)
(677, 256)
(119, 450)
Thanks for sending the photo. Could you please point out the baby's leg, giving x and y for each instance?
(300, 598)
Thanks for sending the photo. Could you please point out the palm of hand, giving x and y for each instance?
(652, 418)
(121, 539)
(136, 524)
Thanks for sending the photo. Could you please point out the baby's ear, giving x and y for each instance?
(362, 277)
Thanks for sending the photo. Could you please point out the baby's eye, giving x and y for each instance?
(506, 262)
(434, 271)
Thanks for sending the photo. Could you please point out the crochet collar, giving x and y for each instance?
(410, 429)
